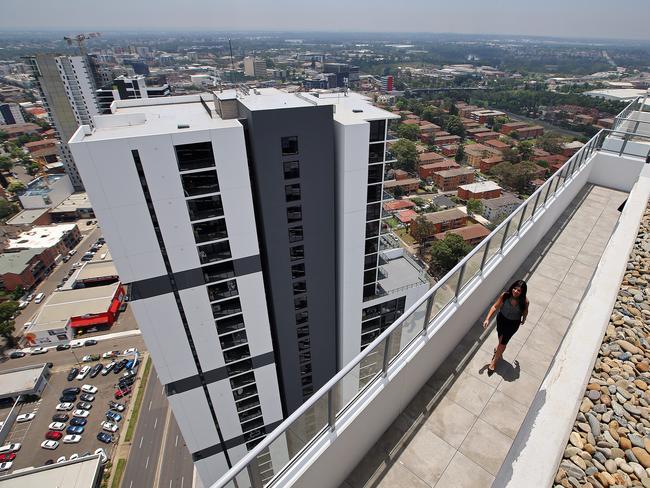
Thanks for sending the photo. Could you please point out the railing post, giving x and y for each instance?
(532, 214)
(505, 235)
(254, 475)
(389, 341)
(521, 219)
(485, 254)
(331, 409)
(428, 311)
(460, 281)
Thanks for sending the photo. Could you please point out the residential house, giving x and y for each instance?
(479, 191)
(426, 170)
(499, 208)
(442, 221)
(451, 179)
(408, 185)
(471, 234)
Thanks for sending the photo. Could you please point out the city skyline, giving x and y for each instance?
(505, 17)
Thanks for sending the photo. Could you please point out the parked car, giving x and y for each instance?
(75, 429)
(49, 365)
(89, 389)
(49, 461)
(126, 381)
(107, 369)
(109, 426)
(37, 350)
(17, 355)
(25, 417)
(75, 344)
(96, 370)
(122, 392)
(60, 417)
(118, 407)
(103, 458)
(73, 374)
(5, 466)
(130, 364)
(72, 439)
(53, 435)
(77, 421)
(83, 373)
(72, 252)
(104, 437)
(120, 366)
(130, 350)
(63, 347)
(110, 354)
(90, 358)
(71, 391)
(62, 459)
(49, 445)
(13, 447)
(80, 413)
(73, 457)
(39, 297)
(84, 405)
(67, 399)
(56, 426)
(115, 417)
(90, 342)
(85, 397)
(9, 456)
(29, 297)
(63, 407)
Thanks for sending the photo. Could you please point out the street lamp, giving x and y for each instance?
(76, 358)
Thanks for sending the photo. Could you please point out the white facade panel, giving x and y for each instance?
(193, 415)
(351, 146)
(256, 318)
(221, 395)
(161, 326)
(269, 391)
(202, 326)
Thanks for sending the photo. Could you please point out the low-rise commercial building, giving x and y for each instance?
(426, 171)
(46, 191)
(31, 217)
(84, 472)
(471, 234)
(25, 268)
(451, 179)
(26, 380)
(76, 206)
(500, 208)
(60, 237)
(442, 221)
(479, 191)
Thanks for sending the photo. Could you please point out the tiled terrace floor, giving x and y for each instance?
(458, 429)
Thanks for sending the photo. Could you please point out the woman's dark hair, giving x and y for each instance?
(522, 298)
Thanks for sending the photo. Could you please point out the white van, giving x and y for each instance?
(39, 298)
(72, 252)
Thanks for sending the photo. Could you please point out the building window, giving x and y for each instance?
(211, 253)
(205, 207)
(294, 214)
(296, 253)
(229, 325)
(200, 183)
(375, 173)
(233, 340)
(295, 234)
(374, 193)
(376, 153)
(372, 229)
(299, 303)
(370, 276)
(373, 211)
(289, 145)
(299, 287)
(228, 307)
(301, 317)
(370, 261)
(211, 230)
(222, 290)
(298, 271)
(218, 272)
(372, 246)
(292, 192)
(377, 130)
(291, 170)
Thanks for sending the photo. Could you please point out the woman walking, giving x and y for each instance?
(512, 306)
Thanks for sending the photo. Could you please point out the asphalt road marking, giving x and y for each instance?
(176, 442)
(182, 481)
(170, 483)
(155, 423)
(150, 402)
(146, 465)
(140, 446)
(131, 484)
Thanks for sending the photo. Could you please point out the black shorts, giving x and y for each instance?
(506, 328)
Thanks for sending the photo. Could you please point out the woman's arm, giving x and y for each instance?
(493, 310)
(525, 314)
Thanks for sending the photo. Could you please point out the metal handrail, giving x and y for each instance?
(560, 179)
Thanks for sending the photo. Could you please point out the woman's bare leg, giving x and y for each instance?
(498, 354)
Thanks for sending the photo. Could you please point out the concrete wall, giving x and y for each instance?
(336, 454)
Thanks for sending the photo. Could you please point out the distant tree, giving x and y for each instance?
(18, 292)
(3, 136)
(453, 110)
(6, 163)
(550, 142)
(514, 134)
(7, 324)
(460, 154)
(474, 207)
(525, 149)
(516, 176)
(401, 104)
(455, 126)
(33, 168)
(420, 202)
(408, 131)
(510, 155)
(421, 231)
(398, 192)
(406, 154)
(16, 187)
(6, 208)
(446, 253)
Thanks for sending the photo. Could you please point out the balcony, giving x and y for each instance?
(416, 407)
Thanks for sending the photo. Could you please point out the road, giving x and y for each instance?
(158, 451)
(546, 125)
(48, 285)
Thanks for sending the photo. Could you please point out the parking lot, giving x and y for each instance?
(32, 434)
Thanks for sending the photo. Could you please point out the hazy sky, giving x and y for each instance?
(575, 18)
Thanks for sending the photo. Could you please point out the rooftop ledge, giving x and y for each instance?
(422, 412)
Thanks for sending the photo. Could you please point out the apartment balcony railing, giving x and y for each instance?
(324, 412)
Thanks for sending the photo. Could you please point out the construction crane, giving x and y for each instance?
(80, 39)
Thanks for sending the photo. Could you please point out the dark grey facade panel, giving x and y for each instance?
(314, 128)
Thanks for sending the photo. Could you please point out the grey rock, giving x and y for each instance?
(593, 424)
